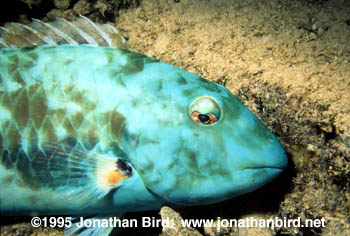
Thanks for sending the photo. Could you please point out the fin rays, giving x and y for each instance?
(76, 229)
(80, 32)
(61, 31)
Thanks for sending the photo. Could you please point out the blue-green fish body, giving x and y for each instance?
(98, 130)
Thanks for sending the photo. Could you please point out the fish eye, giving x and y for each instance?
(205, 110)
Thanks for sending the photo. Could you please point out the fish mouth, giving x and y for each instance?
(276, 165)
(264, 173)
(266, 167)
(271, 169)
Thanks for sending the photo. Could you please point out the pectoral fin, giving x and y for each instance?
(74, 174)
(90, 226)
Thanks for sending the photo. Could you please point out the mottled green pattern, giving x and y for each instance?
(39, 108)
(68, 113)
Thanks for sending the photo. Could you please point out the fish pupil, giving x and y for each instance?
(204, 118)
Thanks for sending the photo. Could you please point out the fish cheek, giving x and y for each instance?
(190, 161)
(212, 152)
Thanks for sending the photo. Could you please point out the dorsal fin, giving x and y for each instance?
(61, 31)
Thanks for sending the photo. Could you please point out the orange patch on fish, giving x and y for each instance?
(114, 177)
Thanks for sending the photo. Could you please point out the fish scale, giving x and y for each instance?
(52, 111)
(89, 127)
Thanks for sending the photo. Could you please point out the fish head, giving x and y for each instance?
(192, 142)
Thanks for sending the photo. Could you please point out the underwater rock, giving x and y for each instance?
(175, 228)
(62, 4)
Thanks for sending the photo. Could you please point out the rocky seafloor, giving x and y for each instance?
(287, 60)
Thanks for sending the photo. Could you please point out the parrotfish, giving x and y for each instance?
(90, 127)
